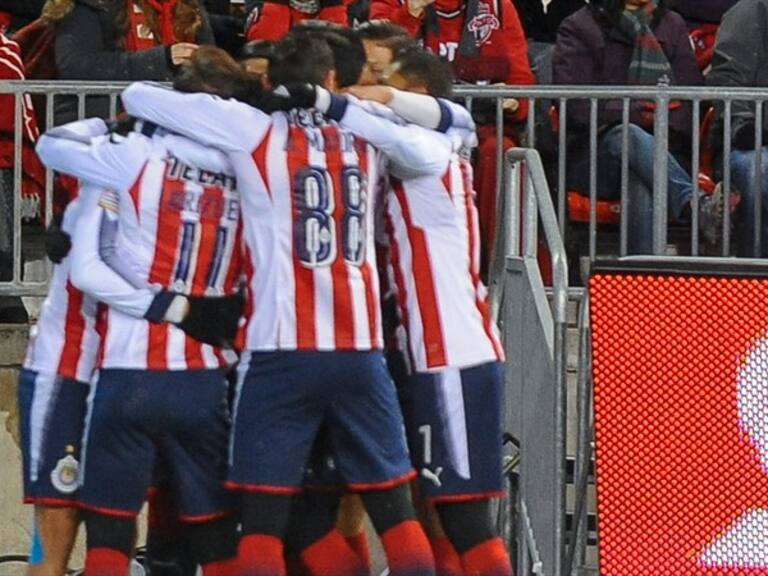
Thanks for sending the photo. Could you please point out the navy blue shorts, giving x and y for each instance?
(52, 417)
(453, 423)
(283, 399)
(140, 418)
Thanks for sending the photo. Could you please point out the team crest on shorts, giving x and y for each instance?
(65, 476)
(483, 24)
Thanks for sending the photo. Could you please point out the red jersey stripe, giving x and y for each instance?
(74, 333)
(482, 304)
(166, 244)
(343, 314)
(425, 285)
(298, 158)
(402, 289)
(260, 158)
(367, 269)
(135, 191)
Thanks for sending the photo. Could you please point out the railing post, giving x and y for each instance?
(660, 175)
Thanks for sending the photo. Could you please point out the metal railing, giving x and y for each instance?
(542, 100)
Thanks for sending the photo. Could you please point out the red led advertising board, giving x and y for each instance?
(680, 365)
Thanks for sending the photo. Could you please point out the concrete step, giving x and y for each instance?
(13, 344)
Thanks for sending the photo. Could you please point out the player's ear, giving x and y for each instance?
(329, 82)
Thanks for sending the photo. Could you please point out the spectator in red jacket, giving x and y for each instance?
(485, 42)
(272, 19)
(33, 173)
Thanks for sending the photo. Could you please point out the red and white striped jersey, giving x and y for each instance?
(308, 183)
(179, 230)
(64, 341)
(432, 226)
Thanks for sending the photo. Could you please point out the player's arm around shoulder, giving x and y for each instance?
(411, 149)
(226, 124)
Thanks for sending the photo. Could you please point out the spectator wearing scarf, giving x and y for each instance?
(632, 43)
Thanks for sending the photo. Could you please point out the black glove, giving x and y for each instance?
(289, 96)
(123, 125)
(214, 320)
(57, 242)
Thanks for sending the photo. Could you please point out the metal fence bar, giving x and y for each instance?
(727, 178)
(695, 168)
(660, 182)
(562, 158)
(593, 179)
(18, 142)
(758, 180)
(624, 216)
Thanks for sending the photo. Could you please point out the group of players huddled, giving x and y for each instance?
(254, 260)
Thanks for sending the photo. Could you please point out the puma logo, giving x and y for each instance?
(433, 476)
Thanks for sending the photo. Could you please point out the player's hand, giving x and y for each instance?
(380, 94)
(57, 242)
(214, 320)
(289, 96)
(182, 52)
(416, 7)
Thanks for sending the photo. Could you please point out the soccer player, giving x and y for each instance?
(53, 387)
(158, 393)
(314, 328)
(453, 397)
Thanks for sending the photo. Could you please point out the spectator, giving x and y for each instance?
(122, 40)
(637, 42)
(21, 12)
(485, 43)
(33, 173)
(272, 19)
(739, 61)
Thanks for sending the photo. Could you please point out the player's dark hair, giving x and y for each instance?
(212, 70)
(348, 51)
(381, 30)
(256, 49)
(420, 67)
(300, 58)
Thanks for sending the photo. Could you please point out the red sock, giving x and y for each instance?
(228, 567)
(359, 544)
(260, 555)
(332, 555)
(408, 549)
(105, 562)
(487, 559)
(447, 561)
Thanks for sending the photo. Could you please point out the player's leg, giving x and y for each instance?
(52, 413)
(118, 462)
(168, 548)
(458, 452)
(278, 408)
(351, 524)
(366, 433)
(194, 447)
(314, 544)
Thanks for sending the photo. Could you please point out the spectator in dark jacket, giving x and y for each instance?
(739, 60)
(119, 40)
(615, 43)
(540, 23)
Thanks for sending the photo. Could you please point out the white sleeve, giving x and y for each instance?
(104, 163)
(91, 274)
(228, 125)
(412, 150)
